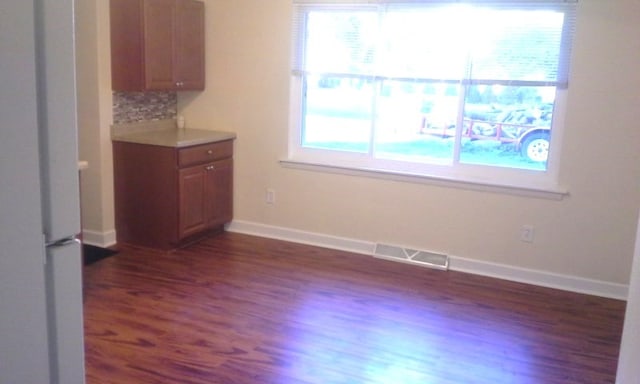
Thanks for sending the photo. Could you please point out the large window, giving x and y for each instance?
(469, 90)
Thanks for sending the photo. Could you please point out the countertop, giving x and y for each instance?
(164, 133)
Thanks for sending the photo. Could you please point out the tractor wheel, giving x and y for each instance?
(536, 147)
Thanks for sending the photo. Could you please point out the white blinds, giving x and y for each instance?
(513, 42)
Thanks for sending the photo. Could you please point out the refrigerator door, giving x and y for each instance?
(24, 356)
(58, 120)
(628, 367)
(58, 145)
(64, 308)
(41, 333)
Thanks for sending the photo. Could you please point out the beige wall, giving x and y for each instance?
(589, 234)
(94, 120)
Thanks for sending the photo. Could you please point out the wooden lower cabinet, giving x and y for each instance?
(205, 197)
(166, 197)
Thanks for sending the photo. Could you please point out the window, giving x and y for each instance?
(466, 90)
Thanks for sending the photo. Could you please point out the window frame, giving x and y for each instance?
(506, 179)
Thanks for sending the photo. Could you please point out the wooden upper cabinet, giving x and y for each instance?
(157, 45)
(189, 44)
(159, 22)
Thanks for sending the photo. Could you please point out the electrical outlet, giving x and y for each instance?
(527, 233)
(270, 196)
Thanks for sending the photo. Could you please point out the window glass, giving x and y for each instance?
(338, 113)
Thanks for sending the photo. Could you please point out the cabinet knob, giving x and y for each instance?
(179, 84)
(209, 152)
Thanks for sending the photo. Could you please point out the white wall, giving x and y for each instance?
(588, 235)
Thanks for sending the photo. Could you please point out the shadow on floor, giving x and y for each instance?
(92, 254)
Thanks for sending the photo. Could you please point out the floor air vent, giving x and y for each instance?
(412, 256)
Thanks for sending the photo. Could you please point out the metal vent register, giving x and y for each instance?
(412, 256)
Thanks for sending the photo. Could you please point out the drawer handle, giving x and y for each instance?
(209, 152)
(210, 168)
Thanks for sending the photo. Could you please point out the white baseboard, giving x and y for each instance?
(540, 278)
(99, 239)
(303, 237)
(477, 267)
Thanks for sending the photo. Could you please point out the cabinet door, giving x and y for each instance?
(159, 44)
(206, 197)
(189, 59)
(220, 189)
(127, 60)
(193, 184)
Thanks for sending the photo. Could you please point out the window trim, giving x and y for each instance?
(468, 176)
(550, 193)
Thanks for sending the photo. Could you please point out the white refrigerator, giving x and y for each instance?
(629, 362)
(41, 324)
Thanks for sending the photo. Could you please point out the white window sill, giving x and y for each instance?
(542, 193)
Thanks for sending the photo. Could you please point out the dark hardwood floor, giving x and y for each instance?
(242, 309)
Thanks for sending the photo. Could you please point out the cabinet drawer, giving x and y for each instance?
(204, 153)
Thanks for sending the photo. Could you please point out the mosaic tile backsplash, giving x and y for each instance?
(133, 107)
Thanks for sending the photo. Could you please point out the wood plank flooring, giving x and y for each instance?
(238, 309)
